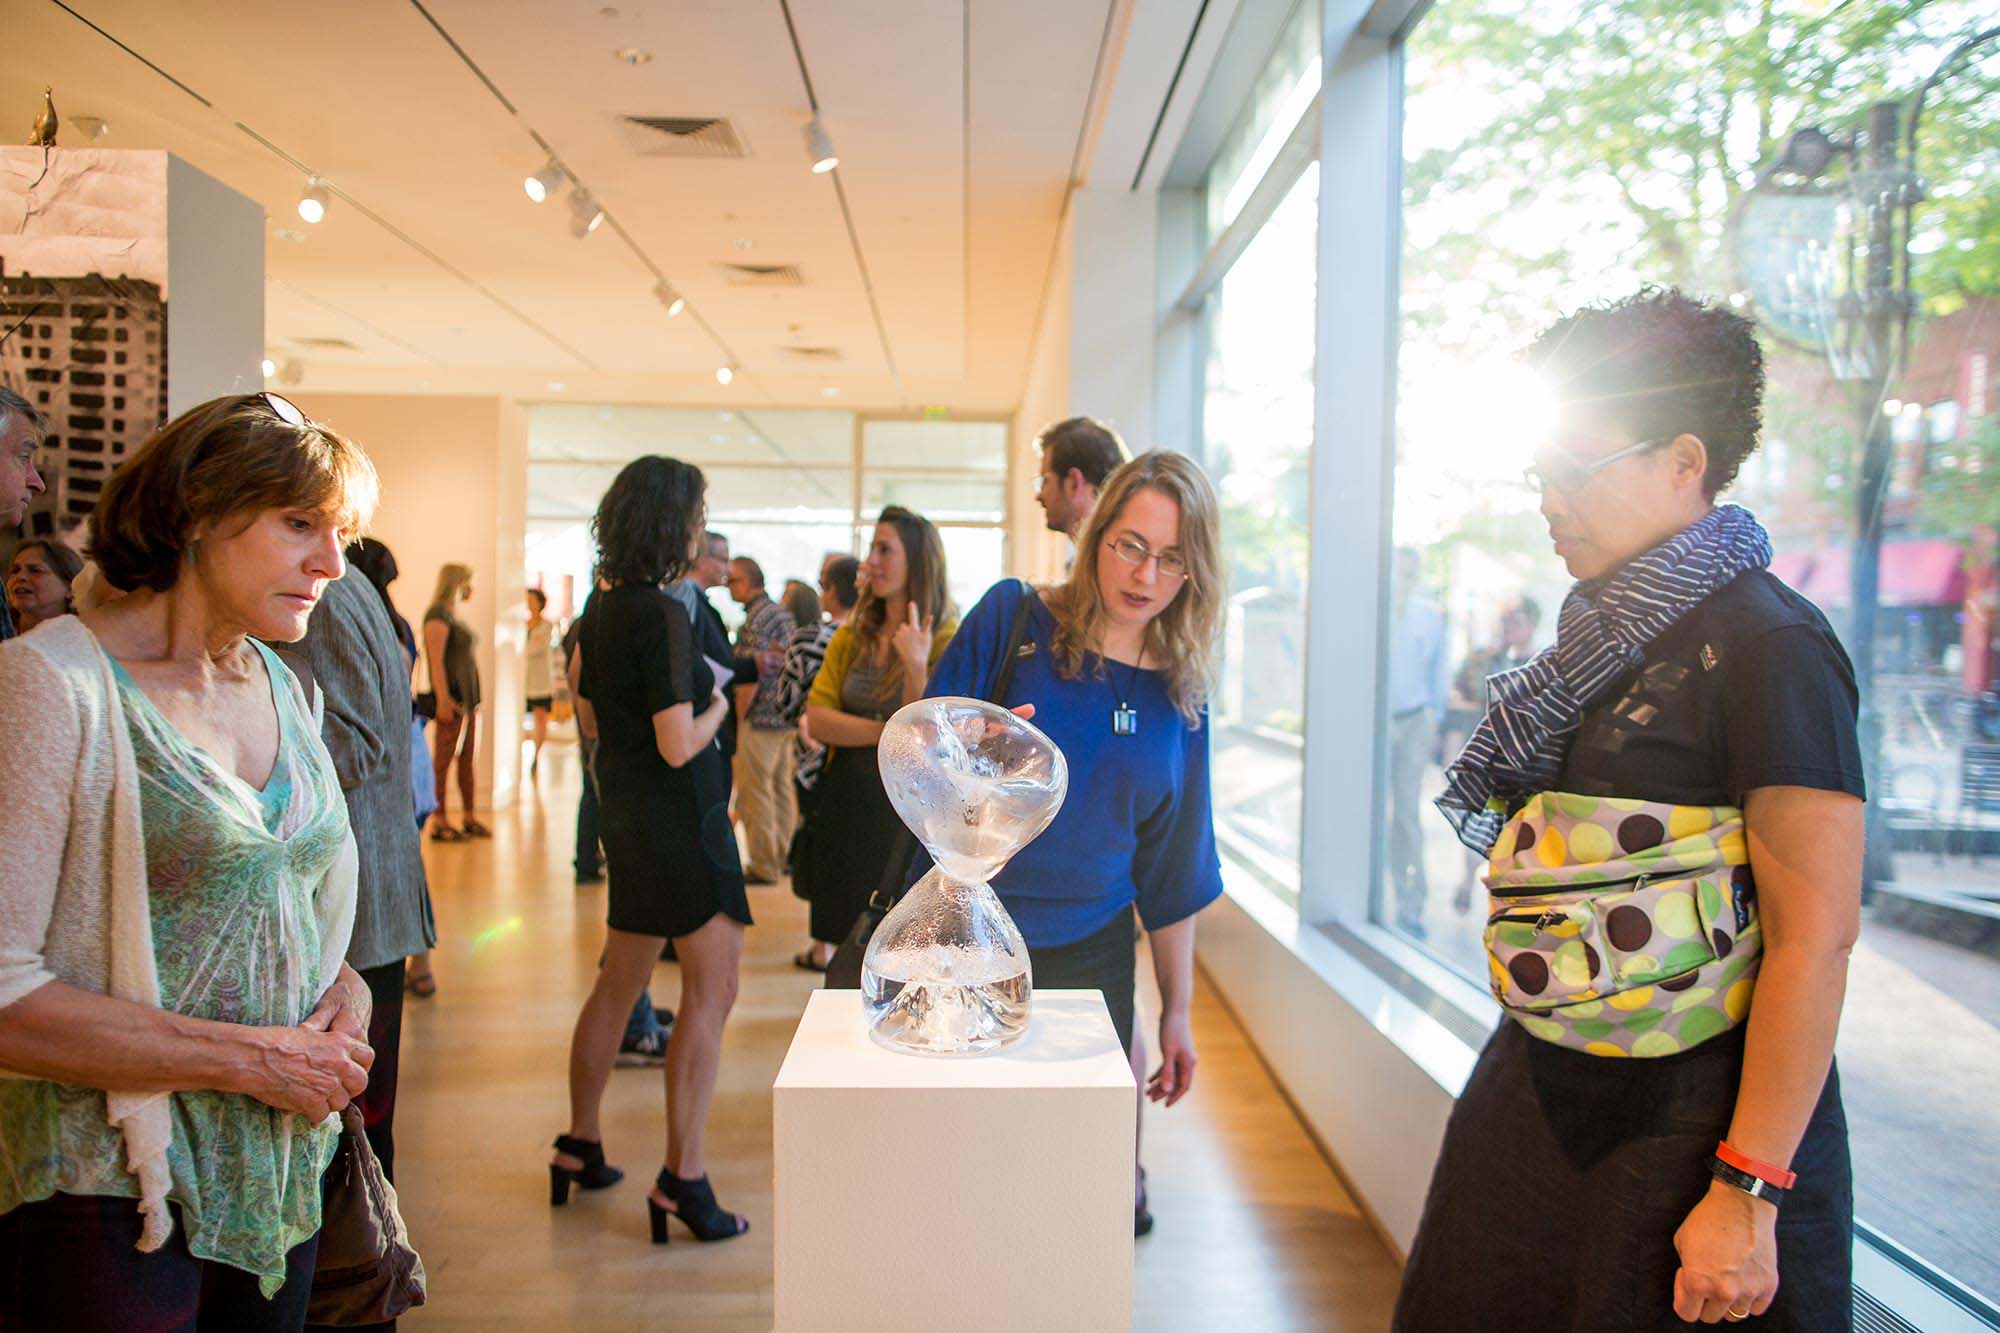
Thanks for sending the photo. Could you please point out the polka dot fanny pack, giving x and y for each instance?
(1622, 927)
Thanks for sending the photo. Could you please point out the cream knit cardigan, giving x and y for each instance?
(74, 905)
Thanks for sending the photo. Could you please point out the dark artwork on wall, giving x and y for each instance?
(90, 353)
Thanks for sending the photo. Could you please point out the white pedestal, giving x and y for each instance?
(972, 1194)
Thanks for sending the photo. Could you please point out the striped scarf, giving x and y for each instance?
(1601, 635)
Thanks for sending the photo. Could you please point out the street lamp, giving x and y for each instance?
(1827, 258)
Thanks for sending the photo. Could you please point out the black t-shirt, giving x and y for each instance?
(1749, 689)
(639, 657)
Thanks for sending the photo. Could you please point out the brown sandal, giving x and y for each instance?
(475, 829)
(446, 833)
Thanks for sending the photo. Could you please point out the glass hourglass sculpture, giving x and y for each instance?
(946, 972)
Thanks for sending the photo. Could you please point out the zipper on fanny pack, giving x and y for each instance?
(1633, 885)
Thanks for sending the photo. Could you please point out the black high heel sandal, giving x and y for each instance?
(695, 1205)
(594, 1174)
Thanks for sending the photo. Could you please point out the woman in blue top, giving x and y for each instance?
(1117, 666)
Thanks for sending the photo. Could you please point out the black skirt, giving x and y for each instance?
(1564, 1176)
(849, 839)
(669, 851)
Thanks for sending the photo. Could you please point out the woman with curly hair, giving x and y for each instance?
(1122, 659)
(652, 700)
(1670, 798)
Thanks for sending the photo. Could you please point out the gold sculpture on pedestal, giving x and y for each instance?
(43, 133)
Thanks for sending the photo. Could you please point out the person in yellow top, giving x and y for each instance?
(878, 661)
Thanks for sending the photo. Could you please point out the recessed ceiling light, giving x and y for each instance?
(632, 55)
(288, 234)
(830, 391)
(718, 439)
(724, 374)
(742, 243)
(557, 386)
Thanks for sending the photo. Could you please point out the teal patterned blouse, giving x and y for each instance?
(231, 877)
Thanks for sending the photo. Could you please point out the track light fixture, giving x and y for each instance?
(664, 292)
(585, 216)
(544, 182)
(269, 367)
(819, 148)
(312, 203)
(724, 374)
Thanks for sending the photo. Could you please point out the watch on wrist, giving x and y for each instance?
(1753, 1186)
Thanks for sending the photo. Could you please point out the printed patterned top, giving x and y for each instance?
(767, 628)
(803, 659)
(231, 873)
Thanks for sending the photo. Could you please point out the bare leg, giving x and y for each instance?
(541, 736)
(709, 960)
(593, 1046)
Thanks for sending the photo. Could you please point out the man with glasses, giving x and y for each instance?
(21, 434)
(1076, 456)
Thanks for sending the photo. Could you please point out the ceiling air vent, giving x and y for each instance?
(812, 353)
(682, 136)
(763, 275)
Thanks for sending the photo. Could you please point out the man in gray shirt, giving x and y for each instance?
(359, 666)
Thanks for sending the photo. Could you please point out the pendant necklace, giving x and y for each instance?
(1124, 718)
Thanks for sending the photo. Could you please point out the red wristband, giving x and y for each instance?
(1764, 1171)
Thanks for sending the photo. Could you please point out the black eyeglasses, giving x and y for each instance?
(1567, 476)
(1135, 552)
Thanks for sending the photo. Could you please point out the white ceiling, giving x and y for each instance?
(367, 94)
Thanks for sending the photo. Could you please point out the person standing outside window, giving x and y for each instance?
(1417, 671)
(764, 798)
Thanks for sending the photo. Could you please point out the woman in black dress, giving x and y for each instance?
(664, 820)
(1672, 795)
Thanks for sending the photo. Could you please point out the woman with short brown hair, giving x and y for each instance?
(177, 1024)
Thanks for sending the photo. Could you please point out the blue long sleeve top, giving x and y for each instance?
(1138, 823)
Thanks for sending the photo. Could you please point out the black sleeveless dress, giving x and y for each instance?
(668, 846)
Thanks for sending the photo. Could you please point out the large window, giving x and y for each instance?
(1563, 153)
(785, 487)
(1257, 433)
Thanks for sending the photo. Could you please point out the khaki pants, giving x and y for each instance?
(766, 801)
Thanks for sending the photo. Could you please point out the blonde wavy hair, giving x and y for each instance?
(1183, 636)
(451, 577)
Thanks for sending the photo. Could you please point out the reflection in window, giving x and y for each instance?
(1559, 154)
(1257, 425)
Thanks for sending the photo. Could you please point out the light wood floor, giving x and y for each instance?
(1255, 1232)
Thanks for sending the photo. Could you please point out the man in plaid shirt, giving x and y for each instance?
(765, 800)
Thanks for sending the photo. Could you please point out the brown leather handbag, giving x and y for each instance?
(367, 1271)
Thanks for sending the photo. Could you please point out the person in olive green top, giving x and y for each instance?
(878, 661)
(177, 1024)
